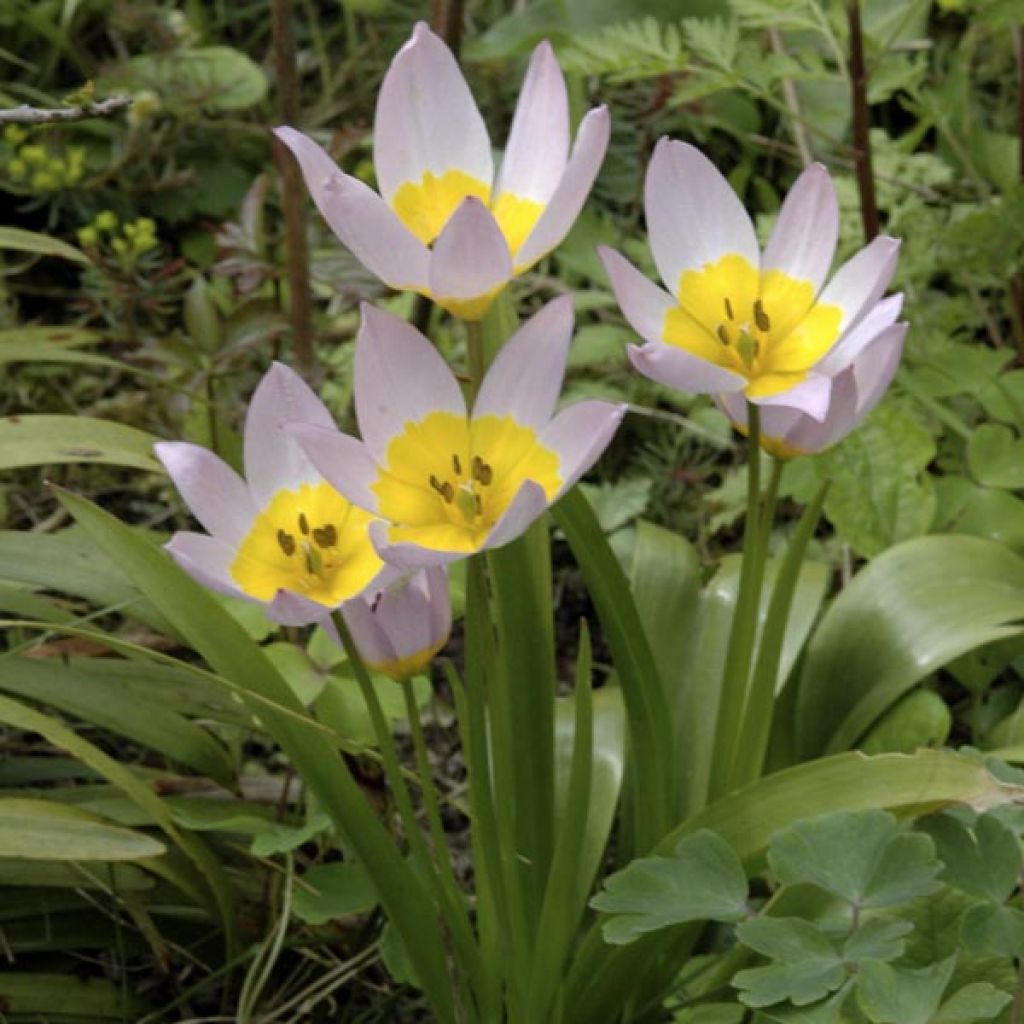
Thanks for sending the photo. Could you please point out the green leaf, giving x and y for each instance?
(974, 1002)
(920, 719)
(990, 929)
(910, 611)
(703, 881)
(893, 996)
(41, 440)
(983, 860)
(333, 890)
(40, 830)
(30, 241)
(53, 345)
(27, 995)
(979, 511)
(878, 938)
(807, 965)
(710, 1013)
(859, 857)
(995, 457)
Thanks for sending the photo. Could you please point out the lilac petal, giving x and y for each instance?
(359, 217)
(426, 118)
(406, 556)
(675, 368)
(371, 640)
(810, 396)
(809, 435)
(214, 493)
(693, 215)
(399, 379)
(804, 239)
(345, 463)
(860, 282)
(273, 461)
(776, 421)
(528, 505)
(642, 302)
(876, 366)
(882, 315)
(291, 609)
(538, 144)
(525, 378)
(207, 560)
(572, 191)
(580, 434)
(470, 262)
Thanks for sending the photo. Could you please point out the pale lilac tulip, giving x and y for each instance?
(444, 224)
(398, 628)
(283, 537)
(856, 390)
(445, 483)
(736, 322)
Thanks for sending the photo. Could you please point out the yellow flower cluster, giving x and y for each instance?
(39, 168)
(127, 241)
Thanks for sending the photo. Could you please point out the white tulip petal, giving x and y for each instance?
(810, 396)
(882, 315)
(860, 282)
(804, 239)
(677, 369)
(214, 493)
(344, 462)
(642, 302)
(528, 505)
(359, 217)
(207, 560)
(580, 434)
(568, 198)
(525, 379)
(426, 118)
(693, 215)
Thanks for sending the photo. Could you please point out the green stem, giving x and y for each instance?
(743, 633)
(474, 356)
(453, 912)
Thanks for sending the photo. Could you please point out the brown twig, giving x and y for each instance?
(861, 138)
(789, 94)
(300, 303)
(448, 23)
(1017, 281)
(38, 115)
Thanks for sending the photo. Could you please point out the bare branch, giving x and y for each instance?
(37, 115)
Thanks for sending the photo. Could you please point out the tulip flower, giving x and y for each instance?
(739, 322)
(282, 537)
(443, 224)
(443, 482)
(856, 390)
(399, 628)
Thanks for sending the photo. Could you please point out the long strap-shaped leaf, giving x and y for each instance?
(650, 729)
(230, 652)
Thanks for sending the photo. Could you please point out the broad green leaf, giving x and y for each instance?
(995, 456)
(979, 511)
(807, 965)
(89, 693)
(710, 1013)
(56, 874)
(216, 77)
(333, 890)
(907, 613)
(34, 995)
(53, 345)
(878, 938)
(41, 440)
(829, 1011)
(920, 719)
(990, 929)
(704, 880)
(40, 830)
(30, 241)
(890, 995)
(978, 1001)
(983, 860)
(340, 704)
(860, 857)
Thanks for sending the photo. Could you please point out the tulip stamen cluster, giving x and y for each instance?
(750, 337)
(465, 495)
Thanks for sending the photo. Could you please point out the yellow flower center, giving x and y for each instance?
(425, 206)
(408, 665)
(310, 541)
(763, 325)
(448, 480)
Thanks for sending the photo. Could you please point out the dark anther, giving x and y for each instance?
(486, 474)
(723, 334)
(456, 465)
(376, 601)
(479, 505)
(447, 492)
(435, 483)
(303, 523)
(287, 542)
(728, 309)
(326, 536)
(761, 317)
(475, 468)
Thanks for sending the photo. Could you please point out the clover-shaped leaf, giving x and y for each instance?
(983, 859)
(888, 995)
(703, 881)
(990, 929)
(861, 857)
(880, 938)
(807, 964)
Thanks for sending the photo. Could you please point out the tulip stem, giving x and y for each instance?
(451, 905)
(474, 355)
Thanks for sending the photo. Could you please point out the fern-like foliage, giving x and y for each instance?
(627, 51)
